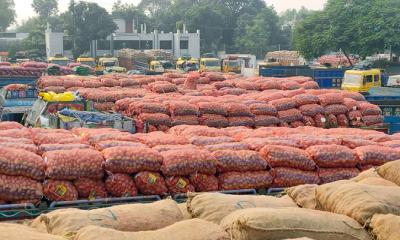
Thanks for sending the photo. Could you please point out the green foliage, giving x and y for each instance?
(129, 12)
(45, 8)
(7, 14)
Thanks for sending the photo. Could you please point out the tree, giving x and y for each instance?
(7, 14)
(129, 12)
(85, 22)
(260, 34)
(45, 8)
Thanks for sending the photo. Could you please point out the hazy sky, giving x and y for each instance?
(24, 9)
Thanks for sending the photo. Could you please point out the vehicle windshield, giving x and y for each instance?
(353, 79)
(212, 63)
(233, 63)
(89, 63)
(109, 64)
(60, 62)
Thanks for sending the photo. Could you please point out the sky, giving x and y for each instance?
(24, 9)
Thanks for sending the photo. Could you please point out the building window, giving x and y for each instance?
(166, 44)
(184, 44)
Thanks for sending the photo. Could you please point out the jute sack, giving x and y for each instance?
(214, 207)
(10, 231)
(386, 227)
(282, 223)
(378, 181)
(193, 229)
(366, 174)
(303, 195)
(390, 171)
(130, 217)
(186, 215)
(358, 201)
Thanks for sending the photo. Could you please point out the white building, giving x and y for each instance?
(128, 36)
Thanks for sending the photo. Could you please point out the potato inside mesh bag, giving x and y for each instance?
(376, 155)
(265, 121)
(306, 141)
(16, 133)
(328, 175)
(290, 115)
(73, 164)
(131, 160)
(284, 156)
(157, 138)
(15, 140)
(351, 104)
(304, 99)
(238, 110)
(59, 190)
(121, 185)
(15, 188)
(228, 146)
(213, 120)
(258, 143)
(289, 177)
(117, 136)
(151, 183)
(336, 109)
(369, 109)
(51, 138)
(10, 125)
(114, 143)
(185, 120)
(155, 119)
(148, 107)
(204, 140)
(203, 182)
(333, 156)
(354, 142)
(24, 146)
(239, 161)
(181, 108)
(178, 185)
(90, 189)
(244, 180)
(372, 119)
(241, 121)
(330, 98)
(263, 109)
(283, 104)
(186, 162)
(212, 108)
(164, 148)
(19, 162)
(311, 110)
(52, 147)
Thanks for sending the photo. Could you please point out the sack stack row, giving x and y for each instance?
(95, 163)
(363, 208)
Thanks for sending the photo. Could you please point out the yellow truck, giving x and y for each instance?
(361, 80)
(210, 65)
(85, 60)
(109, 65)
(59, 60)
(187, 64)
(231, 64)
(155, 67)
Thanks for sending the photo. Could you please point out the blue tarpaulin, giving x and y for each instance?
(91, 117)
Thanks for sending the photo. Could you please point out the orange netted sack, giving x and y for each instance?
(241, 121)
(73, 164)
(336, 109)
(185, 120)
(15, 188)
(18, 145)
(238, 110)
(155, 119)
(155, 139)
(151, 183)
(52, 147)
(186, 162)
(258, 143)
(20, 162)
(148, 107)
(304, 99)
(59, 190)
(311, 110)
(90, 189)
(263, 109)
(204, 140)
(328, 175)
(212, 108)
(181, 108)
(115, 143)
(367, 109)
(10, 125)
(283, 156)
(239, 161)
(178, 185)
(290, 115)
(203, 182)
(131, 160)
(228, 146)
(244, 180)
(164, 148)
(330, 98)
(214, 120)
(372, 119)
(333, 156)
(120, 185)
(376, 155)
(289, 177)
(283, 104)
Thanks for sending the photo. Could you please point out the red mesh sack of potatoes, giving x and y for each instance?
(333, 156)
(15, 140)
(304, 99)
(215, 77)
(204, 140)
(165, 148)
(181, 108)
(114, 143)
(289, 177)
(355, 115)
(109, 82)
(90, 189)
(238, 110)
(311, 110)
(92, 84)
(121, 185)
(128, 82)
(186, 162)
(283, 156)
(59, 190)
(367, 109)
(131, 160)
(74, 164)
(148, 107)
(353, 142)
(308, 121)
(392, 144)
(53, 147)
(343, 121)
(310, 85)
(290, 85)
(163, 87)
(10, 125)
(265, 121)
(15, 188)
(320, 120)
(241, 121)
(228, 146)
(185, 120)
(151, 183)
(23, 146)
(239, 161)
(212, 108)
(290, 115)
(116, 136)
(306, 141)
(328, 175)
(244, 180)
(330, 98)
(203, 182)
(372, 119)
(103, 107)
(263, 109)
(258, 143)
(213, 120)
(52, 138)
(73, 83)
(353, 95)
(283, 104)
(178, 185)
(20, 162)
(376, 155)
(155, 119)
(16, 133)
(336, 109)
(297, 124)
(155, 139)
(351, 104)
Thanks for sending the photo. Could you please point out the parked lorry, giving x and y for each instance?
(15, 103)
(210, 65)
(187, 64)
(109, 65)
(231, 64)
(85, 60)
(59, 60)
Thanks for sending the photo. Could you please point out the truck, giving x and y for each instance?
(85, 60)
(210, 65)
(15, 103)
(59, 59)
(187, 64)
(109, 64)
(231, 64)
